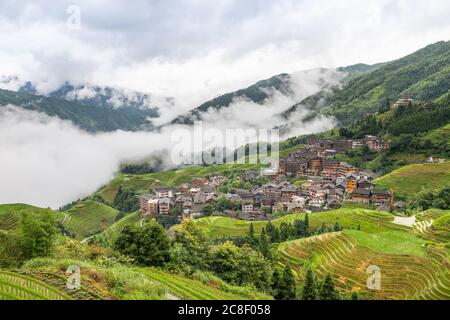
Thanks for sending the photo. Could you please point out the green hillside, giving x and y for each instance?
(108, 235)
(256, 93)
(190, 289)
(440, 134)
(88, 117)
(410, 179)
(347, 256)
(368, 220)
(87, 218)
(10, 214)
(129, 282)
(15, 286)
(423, 75)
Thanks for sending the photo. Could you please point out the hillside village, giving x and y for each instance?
(325, 184)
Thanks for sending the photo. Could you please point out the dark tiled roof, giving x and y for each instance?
(364, 192)
(381, 192)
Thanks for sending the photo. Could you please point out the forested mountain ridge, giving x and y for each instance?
(256, 93)
(423, 75)
(102, 96)
(91, 118)
(290, 85)
(87, 117)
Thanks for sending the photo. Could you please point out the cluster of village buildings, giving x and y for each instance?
(327, 182)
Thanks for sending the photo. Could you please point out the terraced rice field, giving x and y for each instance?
(184, 288)
(402, 276)
(368, 220)
(410, 179)
(109, 234)
(58, 280)
(434, 230)
(14, 286)
(10, 214)
(87, 218)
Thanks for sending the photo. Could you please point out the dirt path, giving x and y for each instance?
(405, 221)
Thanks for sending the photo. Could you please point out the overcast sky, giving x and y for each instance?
(190, 50)
(194, 50)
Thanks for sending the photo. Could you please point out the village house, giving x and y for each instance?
(272, 191)
(233, 197)
(330, 168)
(193, 191)
(216, 180)
(148, 205)
(361, 196)
(357, 144)
(211, 199)
(200, 198)
(247, 207)
(345, 168)
(249, 175)
(163, 192)
(403, 101)
(352, 183)
(198, 182)
(327, 153)
(182, 199)
(315, 166)
(208, 190)
(333, 203)
(342, 146)
(365, 184)
(377, 145)
(186, 214)
(164, 205)
(184, 187)
(367, 174)
(381, 197)
(288, 192)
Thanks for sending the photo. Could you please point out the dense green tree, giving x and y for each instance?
(11, 250)
(37, 234)
(276, 283)
(323, 228)
(355, 296)
(148, 244)
(328, 290)
(301, 228)
(240, 265)
(430, 198)
(224, 261)
(251, 239)
(208, 210)
(309, 289)
(254, 269)
(272, 232)
(287, 289)
(307, 221)
(193, 244)
(264, 245)
(337, 227)
(126, 200)
(287, 231)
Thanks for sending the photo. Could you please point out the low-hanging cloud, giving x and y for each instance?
(243, 113)
(48, 162)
